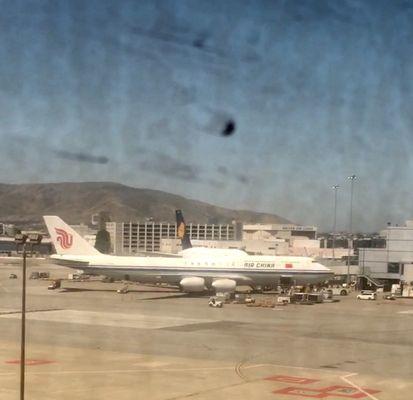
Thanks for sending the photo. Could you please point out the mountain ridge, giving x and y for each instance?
(75, 202)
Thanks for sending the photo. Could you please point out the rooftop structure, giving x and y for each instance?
(278, 231)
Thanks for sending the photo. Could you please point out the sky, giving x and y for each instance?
(140, 92)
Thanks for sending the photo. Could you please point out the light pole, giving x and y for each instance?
(22, 239)
(351, 178)
(335, 188)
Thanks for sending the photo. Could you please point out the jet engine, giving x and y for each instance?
(224, 285)
(192, 284)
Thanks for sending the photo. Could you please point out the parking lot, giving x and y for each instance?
(157, 343)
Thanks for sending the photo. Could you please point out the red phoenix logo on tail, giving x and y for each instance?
(64, 239)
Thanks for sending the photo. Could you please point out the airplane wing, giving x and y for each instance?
(70, 263)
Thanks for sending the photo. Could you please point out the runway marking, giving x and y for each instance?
(291, 379)
(353, 391)
(347, 392)
(121, 371)
(367, 393)
(4, 288)
(405, 312)
(151, 364)
(139, 321)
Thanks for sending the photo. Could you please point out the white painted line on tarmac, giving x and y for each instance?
(345, 379)
(151, 364)
(5, 289)
(139, 321)
(121, 371)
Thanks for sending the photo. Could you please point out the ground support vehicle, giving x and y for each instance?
(34, 275)
(339, 291)
(215, 303)
(55, 285)
(243, 298)
(367, 295)
(315, 297)
(283, 300)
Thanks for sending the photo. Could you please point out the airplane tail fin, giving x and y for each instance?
(181, 230)
(66, 240)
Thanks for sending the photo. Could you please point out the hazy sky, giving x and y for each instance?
(137, 92)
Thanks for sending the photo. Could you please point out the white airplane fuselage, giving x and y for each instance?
(243, 269)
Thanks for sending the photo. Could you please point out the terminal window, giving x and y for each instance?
(393, 268)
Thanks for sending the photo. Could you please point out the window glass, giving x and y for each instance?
(393, 268)
(157, 153)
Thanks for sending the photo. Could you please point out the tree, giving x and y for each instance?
(102, 243)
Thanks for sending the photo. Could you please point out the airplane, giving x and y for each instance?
(193, 272)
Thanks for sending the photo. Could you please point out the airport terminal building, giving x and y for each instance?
(135, 237)
(261, 239)
(394, 262)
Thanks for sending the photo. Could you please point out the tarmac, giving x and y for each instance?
(89, 342)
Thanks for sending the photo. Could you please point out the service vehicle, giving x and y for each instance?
(315, 297)
(367, 295)
(34, 275)
(301, 298)
(402, 289)
(339, 291)
(55, 285)
(215, 303)
(284, 299)
(243, 298)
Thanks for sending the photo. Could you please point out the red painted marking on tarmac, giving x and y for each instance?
(304, 392)
(291, 379)
(30, 362)
(347, 392)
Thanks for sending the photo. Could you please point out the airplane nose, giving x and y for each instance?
(321, 266)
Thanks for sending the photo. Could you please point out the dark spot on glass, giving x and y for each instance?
(229, 128)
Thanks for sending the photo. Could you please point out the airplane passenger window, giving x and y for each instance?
(206, 199)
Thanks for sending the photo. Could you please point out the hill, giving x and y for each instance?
(76, 202)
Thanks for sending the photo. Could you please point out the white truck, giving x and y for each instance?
(339, 291)
(403, 289)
